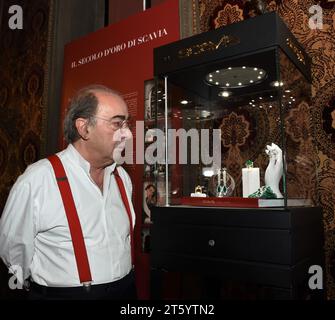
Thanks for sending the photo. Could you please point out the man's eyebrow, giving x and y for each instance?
(122, 117)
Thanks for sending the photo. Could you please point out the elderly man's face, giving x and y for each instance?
(105, 140)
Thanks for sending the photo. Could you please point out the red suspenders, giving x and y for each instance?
(74, 223)
(126, 204)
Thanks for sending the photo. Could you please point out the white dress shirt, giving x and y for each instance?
(35, 235)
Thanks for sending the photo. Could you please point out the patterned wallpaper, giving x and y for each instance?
(22, 65)
(320, 45)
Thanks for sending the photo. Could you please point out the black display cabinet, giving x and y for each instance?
(249, 80)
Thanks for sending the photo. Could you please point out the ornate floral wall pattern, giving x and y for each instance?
(320, 45)
(22, 65)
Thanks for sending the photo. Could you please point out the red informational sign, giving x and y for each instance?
(120, 56)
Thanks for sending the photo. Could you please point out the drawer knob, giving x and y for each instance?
(211, 243)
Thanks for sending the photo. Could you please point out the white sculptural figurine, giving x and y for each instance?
(274, 170)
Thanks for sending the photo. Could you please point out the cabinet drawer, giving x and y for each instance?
(261, 245)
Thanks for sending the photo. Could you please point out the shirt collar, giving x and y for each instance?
(78, 159)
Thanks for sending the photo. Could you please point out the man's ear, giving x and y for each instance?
(82, 128)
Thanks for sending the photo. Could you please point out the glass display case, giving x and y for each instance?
(231, 122)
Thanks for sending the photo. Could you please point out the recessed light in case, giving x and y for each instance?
(236, 77)
(277, 83)
(224, 94)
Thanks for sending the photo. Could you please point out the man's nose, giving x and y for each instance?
(126, 134)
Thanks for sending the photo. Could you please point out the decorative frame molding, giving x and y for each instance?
(189, 18)
(51, 39)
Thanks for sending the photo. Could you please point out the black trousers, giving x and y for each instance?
(123, 289)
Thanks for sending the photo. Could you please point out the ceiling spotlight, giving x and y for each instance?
(224, 94)
(235, 77)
